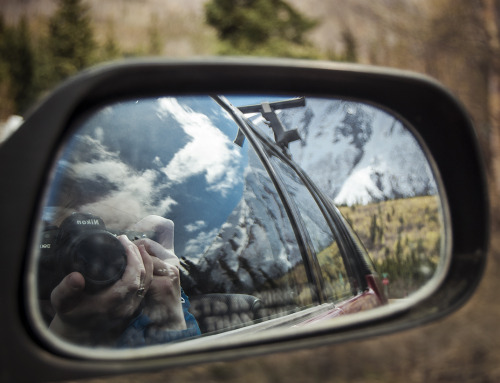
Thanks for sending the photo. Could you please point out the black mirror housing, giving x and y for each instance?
(27, 157)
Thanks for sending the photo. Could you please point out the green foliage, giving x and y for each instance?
(403, 237)
(33, 61)
(17, 66)
(350, 46)
(71, 39)
(373, 229)
(349, 51)
(35, 56)
(110, 49)
(260, 27)
(22, 67)
(6, 106)
(335, 278)
(155, 42)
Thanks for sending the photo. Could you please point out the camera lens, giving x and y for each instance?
(99, 257)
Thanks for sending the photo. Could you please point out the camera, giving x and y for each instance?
(81, 244)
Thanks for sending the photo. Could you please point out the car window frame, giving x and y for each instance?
(352, 272)
(334, 222)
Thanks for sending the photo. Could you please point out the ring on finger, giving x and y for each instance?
(141, 290)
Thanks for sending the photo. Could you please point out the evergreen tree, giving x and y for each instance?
(22, 68)
(155, 43)
(260, 27)
(6, 106)
(111, 49)
(17, 67)
(349, 52)
(373, 229)
(350, 46)
(3, 50)
(71, 39)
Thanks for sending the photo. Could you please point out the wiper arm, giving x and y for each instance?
(268, 110)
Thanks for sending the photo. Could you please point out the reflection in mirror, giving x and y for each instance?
(179, 217)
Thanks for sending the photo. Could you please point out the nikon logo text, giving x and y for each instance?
(88, 222)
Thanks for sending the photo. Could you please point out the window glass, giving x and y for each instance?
(335, 279)
(166, 170)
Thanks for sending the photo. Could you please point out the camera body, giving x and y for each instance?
(81, 244)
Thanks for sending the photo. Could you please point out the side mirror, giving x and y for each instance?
(311, 203)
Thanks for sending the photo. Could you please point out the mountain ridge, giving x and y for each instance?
(356, 153)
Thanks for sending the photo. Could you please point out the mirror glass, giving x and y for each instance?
(178, 218)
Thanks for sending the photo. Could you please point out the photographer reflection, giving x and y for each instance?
(106, 303)
(165, 316)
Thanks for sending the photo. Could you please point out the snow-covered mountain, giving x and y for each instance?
(354, 152)
(357, 153)
(255, 245)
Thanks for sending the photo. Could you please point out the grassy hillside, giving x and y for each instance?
(403, 238)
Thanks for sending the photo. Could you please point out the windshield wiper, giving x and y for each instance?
(268, 110)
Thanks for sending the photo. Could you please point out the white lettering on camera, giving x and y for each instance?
(88, 222)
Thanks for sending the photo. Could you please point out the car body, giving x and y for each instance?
(365, 290)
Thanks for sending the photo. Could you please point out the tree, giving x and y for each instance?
(260, 27)
(155, 43)
(71, 39)
(373, 229)
(350, 46)
(111, 49)
(349, 52)
(6, 104)
(492, 25)
(463, 46)
(22, 68)
(17, 68)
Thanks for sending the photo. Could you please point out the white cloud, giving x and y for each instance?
(157, 161)
(197, 246)
(109, 169)
(99, 133)
(209, 151)
(131, 195)
(198, 225)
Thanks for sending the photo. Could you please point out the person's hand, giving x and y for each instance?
(163, 230)
(97, 318)
(163, 301)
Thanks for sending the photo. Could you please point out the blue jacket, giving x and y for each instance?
(139, 333)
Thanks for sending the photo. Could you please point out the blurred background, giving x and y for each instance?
(42, 42)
